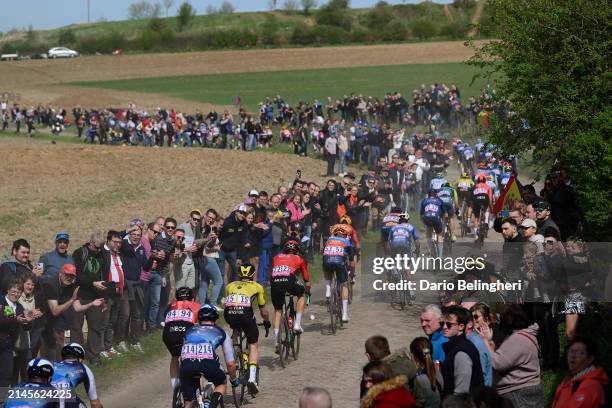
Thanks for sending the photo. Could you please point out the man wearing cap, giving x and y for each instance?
(53, 261)
(530, 228)
(61, 294)
(544, 221)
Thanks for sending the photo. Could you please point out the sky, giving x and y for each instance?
(45, 14)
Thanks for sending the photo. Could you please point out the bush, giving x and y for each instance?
(185, 15)
(424, 29)
(25, 47)
(330, 35)
(362, 35)
(66, 37)
(101, 43)
(269, 31)
(395, 31)
(238, 38)
(335, 13)
(302, 35)
(455, 29)
(379, 16)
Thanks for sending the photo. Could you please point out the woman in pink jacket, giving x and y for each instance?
(294, 206)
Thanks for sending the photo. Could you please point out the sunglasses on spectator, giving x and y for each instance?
(196, 219)
(449, 324)
(170, 227)
(475, 317)
(180, 238)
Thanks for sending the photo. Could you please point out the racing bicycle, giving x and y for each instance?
(241, 354)
(334, 305)
(289, 340)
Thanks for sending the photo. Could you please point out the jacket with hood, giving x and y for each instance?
(584, 390)
(389, 394)
(516, 363)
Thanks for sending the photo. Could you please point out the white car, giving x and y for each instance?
(62, 52)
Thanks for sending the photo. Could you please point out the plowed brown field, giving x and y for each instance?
(46, 81)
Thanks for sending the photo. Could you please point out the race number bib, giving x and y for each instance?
(333, 251)
(236, 300)
(179, 315)
(281, 270)
(431, 208)
(200, 351)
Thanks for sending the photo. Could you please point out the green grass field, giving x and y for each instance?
(222, 89)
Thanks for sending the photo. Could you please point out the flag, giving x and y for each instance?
(510, 194)
(238, 101)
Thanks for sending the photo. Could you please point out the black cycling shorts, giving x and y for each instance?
(465, 196)
(279, 287)
(435, 223)
(248, 324)
(173, 337)
(481, 202)
(338, 269)
(192, 370)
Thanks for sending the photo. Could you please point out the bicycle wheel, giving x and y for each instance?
(350, 288)
(295, 346)
(177, 398)
(242, 368)
(284, 340)
(338, 290)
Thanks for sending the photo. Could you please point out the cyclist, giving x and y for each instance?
(437, 182)
(240, 297)
(181, 315)
(351, 233)
(337, 250)
(432, 209)
(199, 358)
(402, 236)
(389, 221)
(505, 175)
(448, 195)
(285, 267)
(71, 371)
(482, 200)
(464, 186)
(40, 372)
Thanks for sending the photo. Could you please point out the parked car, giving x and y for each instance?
(62, 52)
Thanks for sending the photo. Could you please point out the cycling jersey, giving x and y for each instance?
(69, 374)
(401, 236)
(288, 265)
(240, 296)
(464, 184)
(431, 207)
(483, 197)
(388, 222)
(350, 232)
(503, 179)
(199, 357)
(468, 153)
(14, 400)
(180, 315)
(437, 183)
(337, 250)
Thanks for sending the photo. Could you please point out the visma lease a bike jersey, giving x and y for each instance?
(202, 341)
(388, 222)
(401, 236)
(431, 207)
(69, 374)
(336, 250)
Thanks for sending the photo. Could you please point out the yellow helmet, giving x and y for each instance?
(345, 219)
(247, 271)
(339, 231)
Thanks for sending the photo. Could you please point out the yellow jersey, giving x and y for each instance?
(244, 294)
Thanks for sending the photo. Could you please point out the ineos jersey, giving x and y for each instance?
(286, 265)
(69, 374)
(180, 315)
(202, 341)
(482, 190)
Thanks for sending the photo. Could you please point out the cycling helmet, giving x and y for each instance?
(297, 227)
(291, 246)
(404, 218)
(73, 349)
(447, 184)
(432, 192)
(247, 271)
(439, 175)
(481, 178)
(465, 174)
(338, 231)
(482, 165)
(184, 293)
(208, 313)
(395, 210)
(345, 219)
(39, 367)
